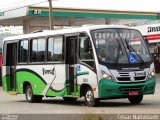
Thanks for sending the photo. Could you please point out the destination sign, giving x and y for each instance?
(105, 35)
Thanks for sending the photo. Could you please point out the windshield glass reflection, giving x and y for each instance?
(120, 46)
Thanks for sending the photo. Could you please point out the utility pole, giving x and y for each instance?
(50, 15)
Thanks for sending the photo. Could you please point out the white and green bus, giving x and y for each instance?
(95, 62)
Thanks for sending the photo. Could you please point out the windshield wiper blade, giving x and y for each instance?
(130, 48)
(117, 58)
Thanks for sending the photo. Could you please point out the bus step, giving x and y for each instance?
(12, 93)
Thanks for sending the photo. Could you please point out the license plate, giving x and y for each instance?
(133, 93)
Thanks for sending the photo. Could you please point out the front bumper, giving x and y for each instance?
(110, 89)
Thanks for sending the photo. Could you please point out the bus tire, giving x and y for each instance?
(90, 101)
(30, 97)
(135, 99)
(69, 99)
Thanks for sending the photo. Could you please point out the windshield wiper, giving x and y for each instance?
(130, 48)
(117, 58)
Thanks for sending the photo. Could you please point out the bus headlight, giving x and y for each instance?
(151, 74)
(106, 76)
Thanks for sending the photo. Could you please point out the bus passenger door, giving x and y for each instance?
(71, 61)
(11, 58)
(86, 67)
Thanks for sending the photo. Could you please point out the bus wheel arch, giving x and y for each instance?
(83, 89)
(25, 84)
(30, 97)
(87, 92)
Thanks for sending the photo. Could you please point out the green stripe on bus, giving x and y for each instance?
(36, 82)
(6, 83)
(82, 73)
(108, 88)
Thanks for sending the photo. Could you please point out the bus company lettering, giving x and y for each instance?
(104, 35)
(51, 71)
(140, 73)
(153, 29)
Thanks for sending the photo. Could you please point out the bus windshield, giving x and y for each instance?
(117, 45)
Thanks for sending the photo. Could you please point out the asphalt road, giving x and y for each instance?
(18, 105)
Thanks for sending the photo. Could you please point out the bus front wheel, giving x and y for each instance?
(135, 99)
(90, 101)
(30, 97)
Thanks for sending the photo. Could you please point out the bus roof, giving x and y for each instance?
(64, 31)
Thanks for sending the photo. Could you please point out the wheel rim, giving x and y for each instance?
(89, 96)
(29, 94)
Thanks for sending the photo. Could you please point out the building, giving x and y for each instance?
(151, 34)
(74, 13)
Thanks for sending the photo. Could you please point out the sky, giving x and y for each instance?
(126, 5)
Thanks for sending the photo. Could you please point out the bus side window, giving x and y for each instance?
(85, 50)
(23, 51)
(38, 50)
(55, 49)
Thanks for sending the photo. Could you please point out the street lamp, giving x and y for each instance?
(50, 15)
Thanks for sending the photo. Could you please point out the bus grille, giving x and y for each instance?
(131, 88)
(125, 77)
